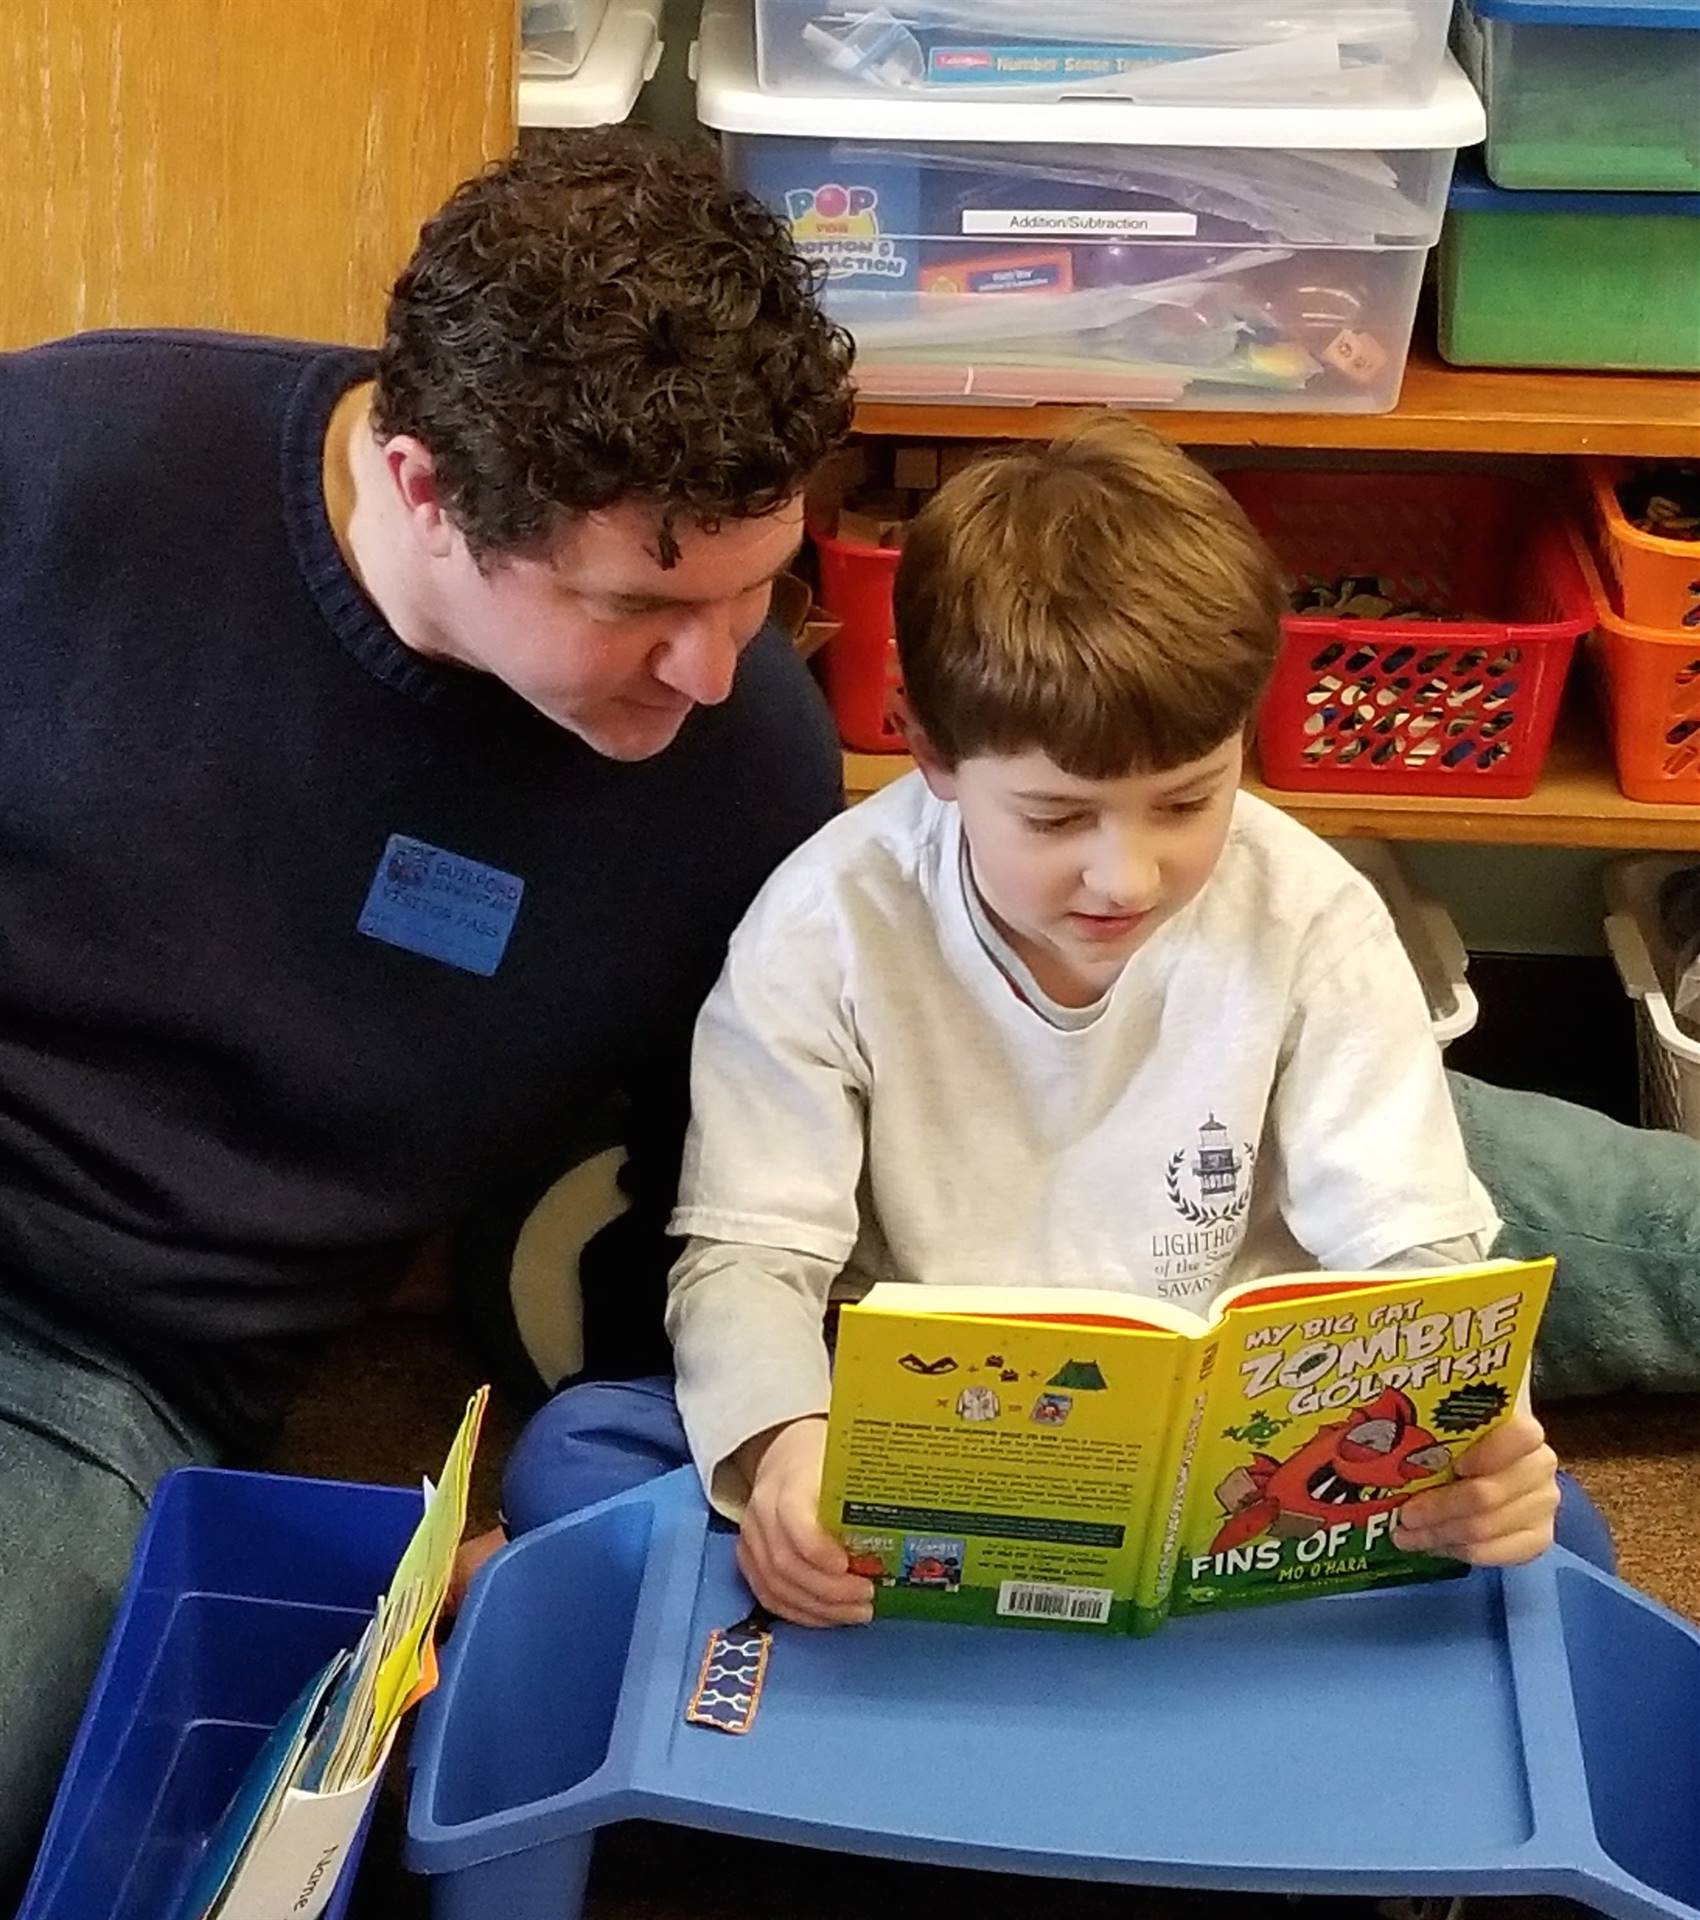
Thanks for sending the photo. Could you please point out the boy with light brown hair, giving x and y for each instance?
(975, 1030)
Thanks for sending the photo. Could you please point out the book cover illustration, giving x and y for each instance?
(1025, 1456)
(1322, 1418)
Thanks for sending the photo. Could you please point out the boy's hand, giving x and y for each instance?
(1499, 1511)
(794, 1566)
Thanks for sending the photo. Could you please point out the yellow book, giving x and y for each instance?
(1070, 1457)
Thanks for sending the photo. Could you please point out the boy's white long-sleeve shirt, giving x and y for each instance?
(1259, 1092)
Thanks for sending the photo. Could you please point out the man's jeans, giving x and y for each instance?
(81, 1447)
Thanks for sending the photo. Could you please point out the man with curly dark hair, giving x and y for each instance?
(388, 746)
(603, 371)
(684, 362)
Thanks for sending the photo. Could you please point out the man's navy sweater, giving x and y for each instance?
(227, 1115)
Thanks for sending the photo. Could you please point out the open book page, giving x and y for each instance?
(1273, 1288)
(1136, 1309)
(985, 1468)
(1036, 1303)
(1324, 1414)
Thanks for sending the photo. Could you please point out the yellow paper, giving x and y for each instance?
(422, 1580)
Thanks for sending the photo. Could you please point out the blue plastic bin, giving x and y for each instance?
(243, 1586)
(1532, 1731)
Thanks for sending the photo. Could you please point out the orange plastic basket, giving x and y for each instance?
(1649, 682)
(1653, 581)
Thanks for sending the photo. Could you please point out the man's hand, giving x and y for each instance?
(794, 1566)
(1500, 1509)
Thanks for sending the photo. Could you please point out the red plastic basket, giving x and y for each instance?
(858, 666)
(1454, 706)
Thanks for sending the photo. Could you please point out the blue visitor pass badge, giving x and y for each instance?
(442, 905)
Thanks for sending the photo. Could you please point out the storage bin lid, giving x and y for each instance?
(1473, 192)
(622, 56)
(729, 100)
(1683, 15)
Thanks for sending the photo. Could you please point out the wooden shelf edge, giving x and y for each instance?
(1491, 823)
(1577, 804)
(1442, 409)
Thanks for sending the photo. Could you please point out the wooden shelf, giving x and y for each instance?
(1577, 803)
(1442, 410)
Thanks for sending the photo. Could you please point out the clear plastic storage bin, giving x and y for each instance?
(620, 52)
(555, 35)
(1245, 52)
(1098, 251)
(1588, 93)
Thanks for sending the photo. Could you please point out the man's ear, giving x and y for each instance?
(413, 474)
(938, 774)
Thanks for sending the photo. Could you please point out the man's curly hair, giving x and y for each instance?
(602, 318)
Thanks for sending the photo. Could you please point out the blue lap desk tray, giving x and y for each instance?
(243, 1585)
(1536, 1730)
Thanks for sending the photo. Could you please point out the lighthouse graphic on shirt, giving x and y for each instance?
(1207, 1182)
(1209, 1179)
(1215, 1168)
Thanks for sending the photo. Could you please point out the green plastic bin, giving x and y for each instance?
(1607, 281)
(1588, 94)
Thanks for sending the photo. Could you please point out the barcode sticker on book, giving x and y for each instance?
(1029, 1600)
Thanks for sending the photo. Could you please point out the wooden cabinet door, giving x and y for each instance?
(259, 165)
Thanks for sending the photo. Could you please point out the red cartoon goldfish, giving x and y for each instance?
(1350, 1469)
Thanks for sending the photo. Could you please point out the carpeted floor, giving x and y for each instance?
(386, 1400)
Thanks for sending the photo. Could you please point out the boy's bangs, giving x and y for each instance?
(1095, 705)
